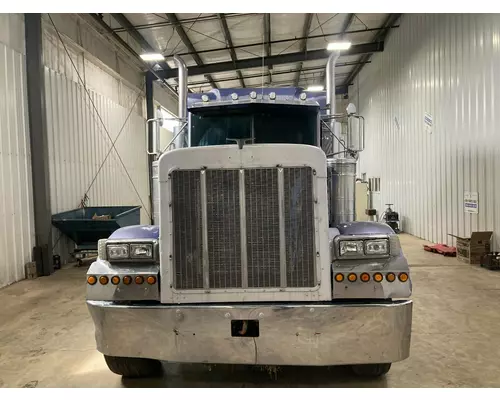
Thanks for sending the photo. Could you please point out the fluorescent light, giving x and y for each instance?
(338, 45)
(152, 57)
(315, 88)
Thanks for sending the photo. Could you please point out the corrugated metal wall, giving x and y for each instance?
(78, 135)
(448, 67)
(16, 201)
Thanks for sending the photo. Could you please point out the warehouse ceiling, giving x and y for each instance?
(253, 50)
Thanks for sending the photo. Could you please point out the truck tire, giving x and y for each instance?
(130, 367)
(371, 370)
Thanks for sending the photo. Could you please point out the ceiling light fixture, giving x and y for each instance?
(315, 88)
(152, 57)
(338, 46)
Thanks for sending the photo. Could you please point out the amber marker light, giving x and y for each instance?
(91, 280)
(365, 277)
(390, 277)
(139, 280)
(339, 277)
(151, 280)
(103, 280)
(115, 280)
(352, 277)
(378, 277)
(127, 280)
(403, 276)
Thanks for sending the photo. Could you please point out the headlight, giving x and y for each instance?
(377, 247)
(117, 251)
(351, 247)
(127, 251)
(141, 250)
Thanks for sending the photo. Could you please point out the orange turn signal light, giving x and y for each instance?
(403, 276)
(339, 277)
(115, 280)
(91, 280)
(365, 277)
(378, 277)
(139, 280)
(352, 277)
(151, 280)
(390, 277)
(103, 280)
(127, 280)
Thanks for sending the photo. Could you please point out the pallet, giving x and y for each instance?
(443, 249)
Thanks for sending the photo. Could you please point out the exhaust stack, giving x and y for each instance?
(182, 92)
(341, 172)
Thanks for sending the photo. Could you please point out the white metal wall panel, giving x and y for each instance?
(16, 204)
(78, 144)
(446, 65)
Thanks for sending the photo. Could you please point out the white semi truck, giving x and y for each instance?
(255, 256)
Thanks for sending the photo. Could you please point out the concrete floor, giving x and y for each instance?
(47, 336)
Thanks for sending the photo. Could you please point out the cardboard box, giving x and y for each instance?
(471, 249)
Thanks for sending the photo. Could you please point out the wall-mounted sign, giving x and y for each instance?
(471, 202)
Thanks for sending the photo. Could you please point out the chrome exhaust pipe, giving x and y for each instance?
(182, 92)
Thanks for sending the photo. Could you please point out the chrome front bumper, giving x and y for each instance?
(289, 334)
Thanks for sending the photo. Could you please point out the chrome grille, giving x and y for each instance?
(251, 228)
(186, 216)
(223, 225)
(299, 227)
(262, 216)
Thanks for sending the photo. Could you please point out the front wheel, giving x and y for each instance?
(130, 367)
(371, 370)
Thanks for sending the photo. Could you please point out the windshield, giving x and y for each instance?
(260, 123)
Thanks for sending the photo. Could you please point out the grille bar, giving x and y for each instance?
(204, 226)
(243, 235)
(281, 204)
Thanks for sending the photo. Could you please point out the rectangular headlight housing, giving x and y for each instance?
(351, 247)
(378, 247)
(141, 251)
(118, 251)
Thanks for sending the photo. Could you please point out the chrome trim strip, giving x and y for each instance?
(281, 211)
(243, 232)
(204, 227)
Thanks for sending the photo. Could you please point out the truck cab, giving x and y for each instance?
(255, 256)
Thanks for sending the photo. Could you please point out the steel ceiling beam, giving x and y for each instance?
(143, 43)
(187, 42)
(381, 35)
(303, 44)
(290, 71)
(229, 42)
(288, 58)
(183, 21)
(127, 47)
(242, 46)
(347, 23)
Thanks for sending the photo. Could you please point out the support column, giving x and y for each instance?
(37, 117)
(150, 111)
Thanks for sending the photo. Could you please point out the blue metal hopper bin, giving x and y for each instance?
(85, 226)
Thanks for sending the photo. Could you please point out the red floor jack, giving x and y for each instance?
(445, 250)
